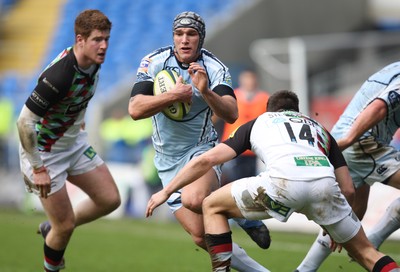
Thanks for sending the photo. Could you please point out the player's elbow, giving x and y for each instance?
(232, 118)
(135, 115)
(134, 109)
(20, 122)
(135, 112)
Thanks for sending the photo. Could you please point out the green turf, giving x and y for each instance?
(147, 245)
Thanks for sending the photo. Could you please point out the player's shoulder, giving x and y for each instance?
(209, 57)
(160, 53)
(386, 75)
(65, 59)
(61, 69)
(155, 60)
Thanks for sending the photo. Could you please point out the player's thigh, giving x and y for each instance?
(200, 188)
(394, 180)
(58, 207)
(98, 183)
(222, 202)
(360, 202)
(345, 229)
(325, 204)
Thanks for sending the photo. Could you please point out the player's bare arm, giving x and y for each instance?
(368, 118)
(224, 107)
(345, 183)
(27, 134)
(144, 106)
(191, 172)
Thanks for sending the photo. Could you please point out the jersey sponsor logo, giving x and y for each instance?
(173, 68)
(311, 161)
(394, 98)
(266, 201)
(323, 243)
(144, 65)
(45, 81)
(381, 169)
(278, 120)
(228, 80)
(276, 206)
(72, 109)
(90, 153)
(185, 21)
(233, 133)
(38, 100)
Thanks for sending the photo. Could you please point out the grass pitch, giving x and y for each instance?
(148, 245)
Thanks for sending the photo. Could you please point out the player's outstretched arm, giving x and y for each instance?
(191, 172)
(368, 118)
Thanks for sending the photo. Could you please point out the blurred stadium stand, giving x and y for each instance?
(138, 26)
(34, 32)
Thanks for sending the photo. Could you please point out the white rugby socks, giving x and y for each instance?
(389, 223)
(317, 254)
(240, 261)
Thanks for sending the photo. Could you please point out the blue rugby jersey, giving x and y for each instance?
(383, 85)
(175, 138)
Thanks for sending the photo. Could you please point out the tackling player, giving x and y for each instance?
(304, 168)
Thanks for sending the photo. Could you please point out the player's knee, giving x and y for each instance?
(199, 241)
(394, 208)
(65, 229)
(112, 202)
(208, 205)
(115, 202)
(193, 203)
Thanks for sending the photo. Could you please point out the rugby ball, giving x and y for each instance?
(164, 81)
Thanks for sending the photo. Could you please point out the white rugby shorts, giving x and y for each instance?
(78, 159)
(263, 197)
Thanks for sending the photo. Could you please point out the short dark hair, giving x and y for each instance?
(89, 20)
(283, 100)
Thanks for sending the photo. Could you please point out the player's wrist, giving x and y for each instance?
(39, 170)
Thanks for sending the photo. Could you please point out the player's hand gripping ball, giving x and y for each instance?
(164, 81)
